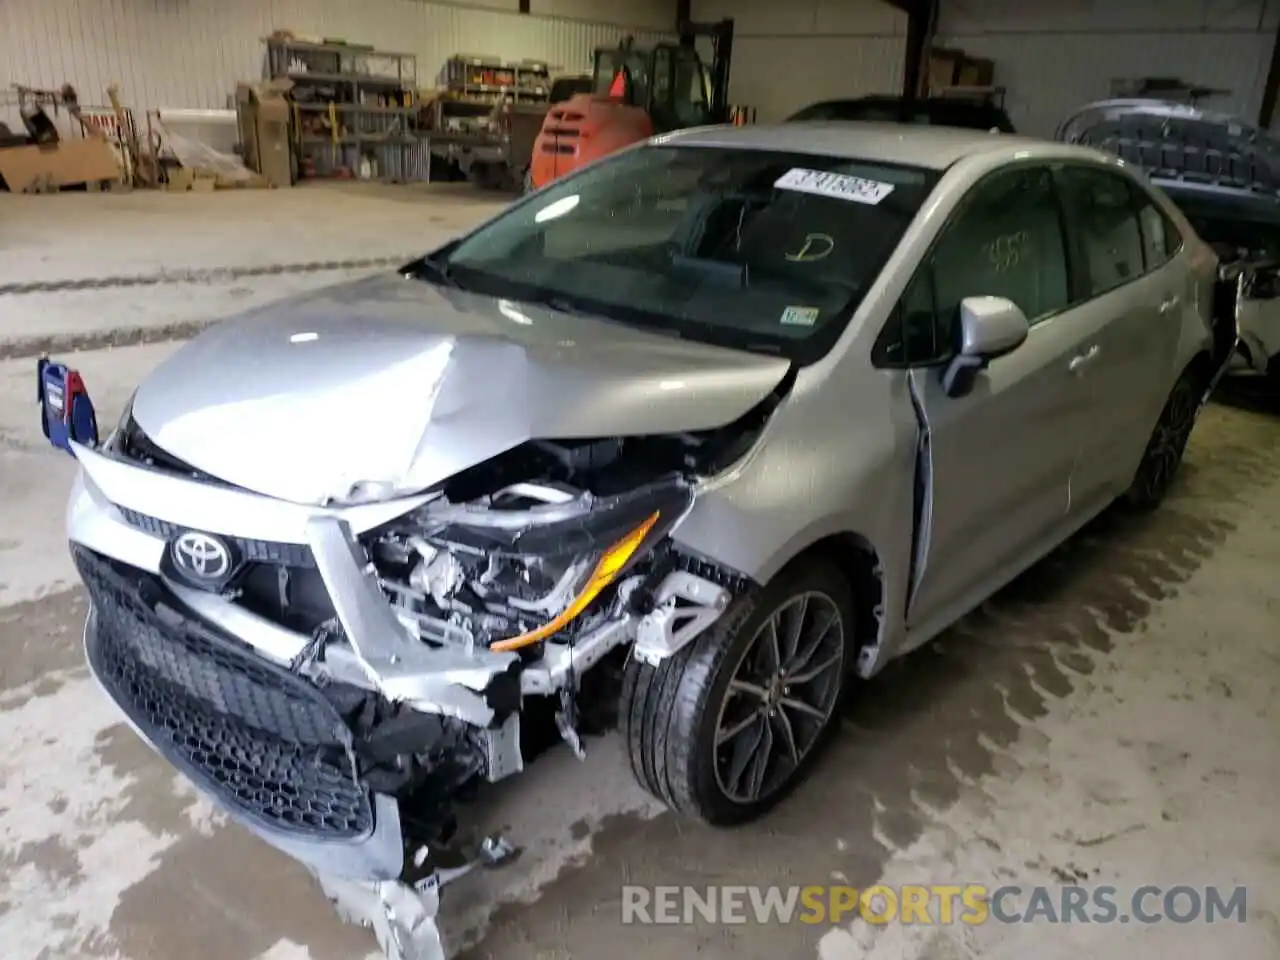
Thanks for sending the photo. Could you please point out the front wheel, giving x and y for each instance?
(725, 728)
(1163, 456)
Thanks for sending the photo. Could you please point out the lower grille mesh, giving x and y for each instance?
(261, 740)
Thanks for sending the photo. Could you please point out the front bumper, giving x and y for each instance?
(263, 743)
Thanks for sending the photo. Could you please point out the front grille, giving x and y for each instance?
(253, 551)
(264, 742)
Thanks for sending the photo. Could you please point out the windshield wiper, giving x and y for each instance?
(561, 304)
(434, 269)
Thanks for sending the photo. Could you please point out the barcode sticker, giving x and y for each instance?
(838, 185)
(800, 316)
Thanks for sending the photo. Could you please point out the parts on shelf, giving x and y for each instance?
(479, 77)
(353, 108)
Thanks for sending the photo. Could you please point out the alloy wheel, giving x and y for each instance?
(780, 697)
(1169, 441)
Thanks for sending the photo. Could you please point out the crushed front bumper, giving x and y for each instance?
(236, 703)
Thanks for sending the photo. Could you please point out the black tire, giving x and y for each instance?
(1163, 455)
(671, 714)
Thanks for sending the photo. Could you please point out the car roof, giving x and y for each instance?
(930, 147)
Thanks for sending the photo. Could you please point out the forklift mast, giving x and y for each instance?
(721, 34)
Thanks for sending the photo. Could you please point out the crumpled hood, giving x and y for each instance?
(394, 381)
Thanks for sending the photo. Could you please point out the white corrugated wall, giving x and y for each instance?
(191, 53)
(1054, 59)
(790, 53)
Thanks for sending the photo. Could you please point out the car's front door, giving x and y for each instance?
(1134, 302)
(999, 458)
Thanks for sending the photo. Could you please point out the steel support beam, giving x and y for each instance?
(921, 21)
(1271, 87)
(684, 12)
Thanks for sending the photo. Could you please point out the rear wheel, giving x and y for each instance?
(1163, 456)
(724, 729)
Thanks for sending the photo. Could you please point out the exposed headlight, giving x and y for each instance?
(561, 557)
(613, 560)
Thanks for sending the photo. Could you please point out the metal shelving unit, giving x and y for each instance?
(353, 108)
(479, 78)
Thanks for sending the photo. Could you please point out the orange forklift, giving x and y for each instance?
(637, 93)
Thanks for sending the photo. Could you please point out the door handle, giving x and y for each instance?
(1082, 360)
(1169, 304)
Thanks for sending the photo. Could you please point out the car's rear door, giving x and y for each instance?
(1136, 290)
(999, 459)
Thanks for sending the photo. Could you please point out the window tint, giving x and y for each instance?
(690, 93)
(1006, 242)
(1160, 238)
(913, 335)
(1106, 224)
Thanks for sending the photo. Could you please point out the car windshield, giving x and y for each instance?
(760, 250)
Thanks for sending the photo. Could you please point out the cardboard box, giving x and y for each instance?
(976, 73)
(944, 66)
(263, 112)
(62, 164)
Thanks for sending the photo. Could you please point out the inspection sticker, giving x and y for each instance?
(800, 316)
(838, 185)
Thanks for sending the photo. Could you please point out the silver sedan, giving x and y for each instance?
(744, 413)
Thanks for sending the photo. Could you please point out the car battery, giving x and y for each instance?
(66, 412)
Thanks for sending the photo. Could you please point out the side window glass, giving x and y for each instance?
(689, 89)
(661, 80)
(1007, 241)
(1160, 237)
(1106, 223)
(911, 335)
(1172, 236)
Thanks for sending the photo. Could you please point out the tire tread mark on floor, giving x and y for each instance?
(197, 275)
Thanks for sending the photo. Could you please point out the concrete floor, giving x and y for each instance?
(1108, 717)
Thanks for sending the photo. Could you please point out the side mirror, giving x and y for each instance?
(990, 327)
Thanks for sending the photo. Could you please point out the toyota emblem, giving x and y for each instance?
(201, 556)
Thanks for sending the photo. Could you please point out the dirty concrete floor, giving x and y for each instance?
(1108, 717)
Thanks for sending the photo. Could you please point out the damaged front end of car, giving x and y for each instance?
(339, 680)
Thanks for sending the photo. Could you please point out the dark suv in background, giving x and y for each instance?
(971, 114)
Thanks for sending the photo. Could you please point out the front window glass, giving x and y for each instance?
(625, 67)
(1007, 242)
(756, 249)
(690, 94)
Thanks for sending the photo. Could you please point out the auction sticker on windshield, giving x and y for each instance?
(838, 185)
(800, 316)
